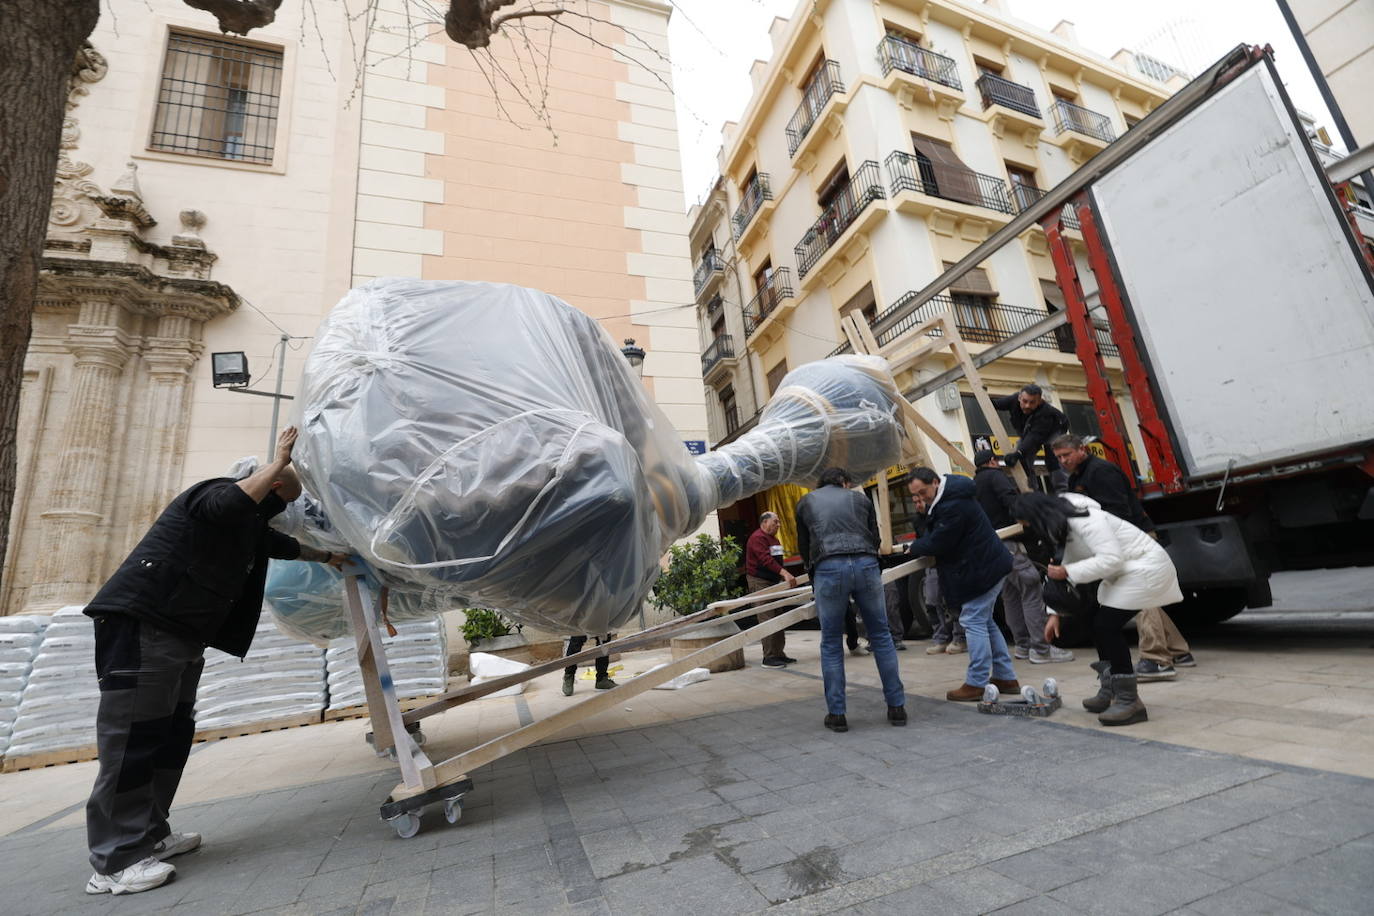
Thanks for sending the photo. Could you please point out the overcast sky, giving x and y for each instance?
(714, 42)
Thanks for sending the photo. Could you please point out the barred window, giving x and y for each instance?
(218, 98)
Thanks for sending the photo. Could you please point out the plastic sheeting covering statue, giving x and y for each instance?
(486, 445)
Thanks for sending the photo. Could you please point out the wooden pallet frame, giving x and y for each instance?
(909, 353)
(423, 779)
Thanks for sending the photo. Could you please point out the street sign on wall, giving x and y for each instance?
(695, 446)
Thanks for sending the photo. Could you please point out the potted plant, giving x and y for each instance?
(699, 572)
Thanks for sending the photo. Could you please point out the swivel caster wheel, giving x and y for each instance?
(1051, 688)
(418, 737)
(453, 809)
(406, 825)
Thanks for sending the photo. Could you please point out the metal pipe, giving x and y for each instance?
(1319, 78)
(1178, 105)
(276, 401)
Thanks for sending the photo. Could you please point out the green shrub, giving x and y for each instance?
(698, 573)
(480, 623)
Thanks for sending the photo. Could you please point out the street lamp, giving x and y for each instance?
(229, 370)
(635, 355)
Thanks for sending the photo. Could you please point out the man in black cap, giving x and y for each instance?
(1022, 601)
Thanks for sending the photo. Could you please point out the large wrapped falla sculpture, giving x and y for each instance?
(487, 445)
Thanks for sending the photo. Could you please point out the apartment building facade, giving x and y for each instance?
(884, 141)
(217, 193)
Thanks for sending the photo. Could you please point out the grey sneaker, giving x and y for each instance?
(175, 844)
(1020, 652)
(1185, 660)
(1147, 670)
(1050, 656)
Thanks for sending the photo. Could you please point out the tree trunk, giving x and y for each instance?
(38, 43)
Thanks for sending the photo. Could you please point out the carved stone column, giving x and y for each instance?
(170, 357)
(66, 563)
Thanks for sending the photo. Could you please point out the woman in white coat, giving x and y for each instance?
(1133, 573)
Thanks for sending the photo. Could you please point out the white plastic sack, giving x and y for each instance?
(685, 679)
(483, 666)
(22, 623)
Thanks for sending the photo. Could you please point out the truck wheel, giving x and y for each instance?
(915, 617)
(1207, 607)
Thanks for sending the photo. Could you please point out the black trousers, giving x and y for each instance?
(1109, 636)
(144, 727)
(575, 644)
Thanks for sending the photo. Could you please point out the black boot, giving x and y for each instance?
(1103, 699)
(896, 715)
(1126, 708)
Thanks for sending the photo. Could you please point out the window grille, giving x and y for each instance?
(218, 98)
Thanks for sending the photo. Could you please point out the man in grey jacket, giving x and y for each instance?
(837, 532)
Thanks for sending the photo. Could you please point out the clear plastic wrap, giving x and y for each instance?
(485, 445)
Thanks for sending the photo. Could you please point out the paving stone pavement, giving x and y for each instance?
(741, 811)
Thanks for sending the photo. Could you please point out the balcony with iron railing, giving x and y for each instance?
(774, 291)
(1010, 108)
(1080, 132)
(711, 267)
(997, 90)
(907, 172)
(721, 349)
(863, 187)
(1023, 195)
(1085, 121)
(897, 53)
(825, 85)
(979, 324)
(752, 199)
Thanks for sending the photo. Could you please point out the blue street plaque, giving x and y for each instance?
(695, 446)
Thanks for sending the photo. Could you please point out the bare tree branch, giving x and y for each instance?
(521, 14)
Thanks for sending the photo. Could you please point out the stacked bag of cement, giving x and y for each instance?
(20, 638)
(279, 677)
(418, 655)
(61, 696)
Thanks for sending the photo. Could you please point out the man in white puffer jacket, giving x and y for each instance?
(1133, 572)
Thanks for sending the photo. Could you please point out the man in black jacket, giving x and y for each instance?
(837, 533)
(1022, 600)
(195, 580)
(1036, 422)
(973, 564)
(1162, 647)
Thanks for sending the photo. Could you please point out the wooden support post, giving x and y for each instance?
(884, 508)
(388, 729)
(975, 382)
(957, 457)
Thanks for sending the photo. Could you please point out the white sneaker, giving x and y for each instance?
(143, 875)
(1050, 656)
(174, 844)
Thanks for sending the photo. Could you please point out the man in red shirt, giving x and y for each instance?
(762, 568)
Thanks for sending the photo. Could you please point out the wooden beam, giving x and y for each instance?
(457, 767)
(980, 394)
(884, 508)
(709, 614)
(957, 457)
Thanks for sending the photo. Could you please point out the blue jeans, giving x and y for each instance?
(833, 581)
(987, 650)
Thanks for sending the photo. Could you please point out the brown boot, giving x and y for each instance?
(965, 693)
(1012, 686)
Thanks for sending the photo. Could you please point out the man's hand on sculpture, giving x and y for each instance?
(285, 443)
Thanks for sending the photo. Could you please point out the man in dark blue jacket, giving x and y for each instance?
(195, 580)
(837, 532)
(973, 563)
